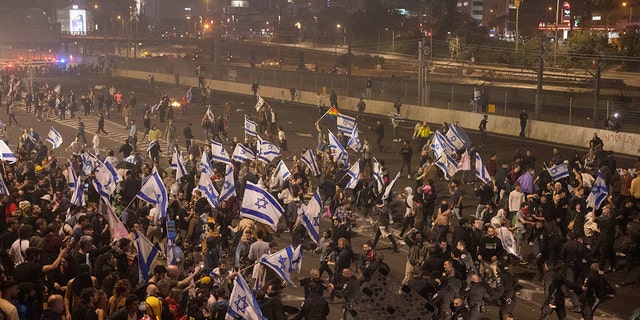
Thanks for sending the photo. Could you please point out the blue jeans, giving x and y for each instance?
(241, 247)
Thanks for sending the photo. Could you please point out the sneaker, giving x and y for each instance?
(408, 176)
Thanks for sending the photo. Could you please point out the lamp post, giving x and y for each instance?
(625, 4)
(299, 26)
(393, 39)
(555, 47)
(517, 3)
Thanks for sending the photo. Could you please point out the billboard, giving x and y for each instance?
(78, 21)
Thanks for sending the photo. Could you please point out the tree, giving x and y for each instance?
(584, 46)
(629, 45)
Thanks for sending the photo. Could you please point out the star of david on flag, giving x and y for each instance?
(310, 160)
(242, 303)
(448, 166)
(457, 137)
(286, 263)
(55, 138)
(354, 175)
(481, 171)
(598, 194)
(218, 153)
(558, 171)
(209, 191)
(261, 206)
(340, 155)
(250, 127)
(311, 217)
(242, 154)
(345, 124)
(205, 165)
(154, 192)
(354, 142)
(267, 151)
(229, 186)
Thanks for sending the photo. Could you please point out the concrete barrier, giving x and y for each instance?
(622, 142)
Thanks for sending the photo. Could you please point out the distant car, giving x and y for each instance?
(273, 64)
(310, 67)
(229, 57)
(336, 70)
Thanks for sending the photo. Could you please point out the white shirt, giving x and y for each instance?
(516, 198)
(18, 251)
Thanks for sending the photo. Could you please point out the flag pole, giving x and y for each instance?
(323, 116)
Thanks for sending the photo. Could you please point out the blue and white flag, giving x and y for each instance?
(106, 179)
(311, 217)
(147, 253)
(286, 263)
(260, 206)
(282, 171)
(377, 175)
(354, 175)
(558, 171)
(267, 151)
(208, 190)
(389, 187)
(448, 166)
(55, 138)
(354, 141)
(154, 192)
(150, 145)
(72, 178)
(89, 163)
(218, 153)
(3, 187)
(229, 186)
(250, 127)
(77, 196)
(481, 171)
(242, 303)
(155, 107)
(242, 153)
(340, 155)
(598, 194)
(345, 124)
(177, 163)
(6, 154)
(205, 165)
(189, 95)
(457, 137)
(310, 160)
(259, 104)
(440, 145)
(170, 250)
(209, 113)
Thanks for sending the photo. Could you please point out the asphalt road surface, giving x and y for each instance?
(297, 121)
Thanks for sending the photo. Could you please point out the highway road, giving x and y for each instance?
(297, 121)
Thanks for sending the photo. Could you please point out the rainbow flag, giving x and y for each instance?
(333, 112)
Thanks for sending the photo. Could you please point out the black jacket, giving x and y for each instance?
(315, 307)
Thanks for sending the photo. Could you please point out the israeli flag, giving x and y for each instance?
(354, 175)
(558, 171)
(150, 145)
(77, 197)
(155, 107)
(310, 160)
(209, 113)
(55, 138)
(154, 192)
(261, 206)
(598, 194)
(457, 137)
(286, 263)
(387, 190)
(448, 166)
(218, 153)
(340, 155)
(106, 179)
(345, 124)
(282, 171)
(242, 153)
(147, 253)
(311, 217)
(267, 151)
(177, 163)
(354, 141)
(3, 187)
(250, 127)
(439, 145)
(242, 303)
(6, 154)
(377, 175)
(259, 104)
(72, 178)
(481, 171)
(229, 186)
(209, 191)
(89, 163)
(205, 165)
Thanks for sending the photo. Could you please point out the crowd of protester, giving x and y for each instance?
(62, 260)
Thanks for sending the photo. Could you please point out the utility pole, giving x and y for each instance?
(538, 106)
(596, 90)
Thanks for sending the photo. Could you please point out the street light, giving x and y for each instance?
(299, 26)
(625, 4)
(393, 39)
